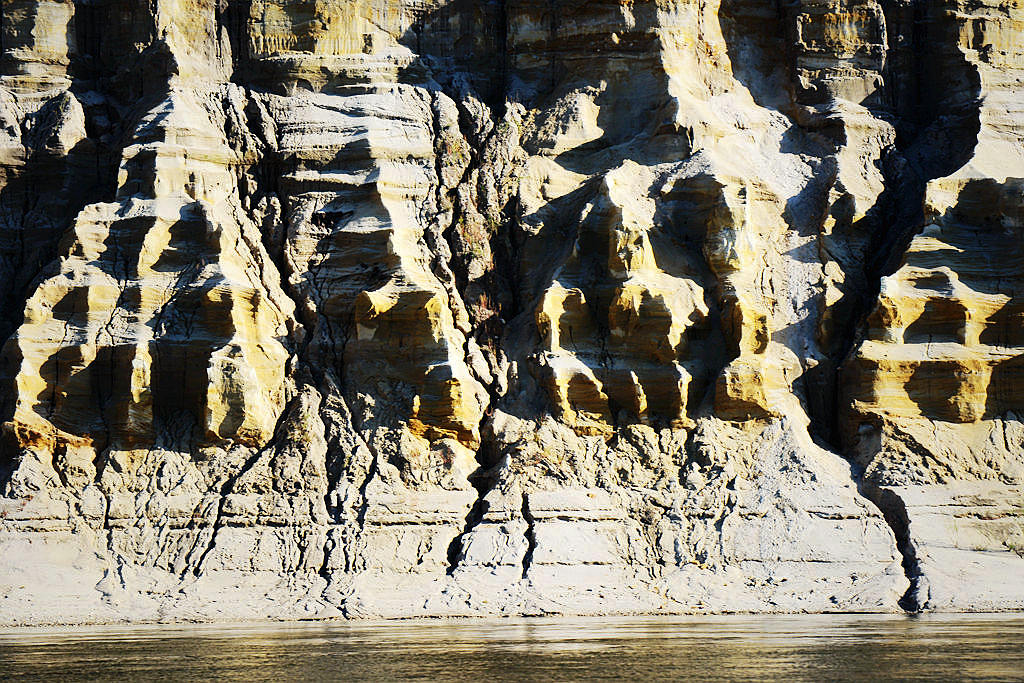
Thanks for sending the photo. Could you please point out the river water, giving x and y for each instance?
(761, 648)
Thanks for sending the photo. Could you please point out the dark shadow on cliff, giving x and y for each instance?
(985, 262)
(930, 93)
(623, 81)
(937, 125)
(115, 83)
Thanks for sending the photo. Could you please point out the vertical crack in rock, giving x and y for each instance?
(225, 489)
(895, 512)
(935, 133)
(475, 516)
(531, 536)
(229, 484)
(325, 570)
(472, 239)
(924, 402)
(371, 474)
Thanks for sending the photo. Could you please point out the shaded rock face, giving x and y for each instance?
(321, 308)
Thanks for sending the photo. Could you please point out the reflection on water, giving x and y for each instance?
(815, 648)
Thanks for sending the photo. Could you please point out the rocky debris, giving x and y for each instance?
(377, 308)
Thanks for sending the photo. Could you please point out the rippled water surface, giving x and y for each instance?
(781, 648)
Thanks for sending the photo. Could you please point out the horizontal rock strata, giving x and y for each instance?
(362, 308)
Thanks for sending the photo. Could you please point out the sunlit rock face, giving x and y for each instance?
(322, 308)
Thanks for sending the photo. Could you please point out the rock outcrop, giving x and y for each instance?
(319, 308)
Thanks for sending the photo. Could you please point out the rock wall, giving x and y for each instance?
(319, 308)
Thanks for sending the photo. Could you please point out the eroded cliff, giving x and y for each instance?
(321, 308)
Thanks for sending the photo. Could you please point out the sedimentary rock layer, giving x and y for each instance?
(320, 308)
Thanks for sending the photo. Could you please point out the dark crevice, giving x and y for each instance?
(225, 489)
(280, 431)
(937, 129)
(894, 510)
(475, 516)
(324, 570)
(483, 480)
(364, 505)
(531, 535)
(934, 94)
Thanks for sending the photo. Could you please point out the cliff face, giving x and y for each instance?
(371, 307)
